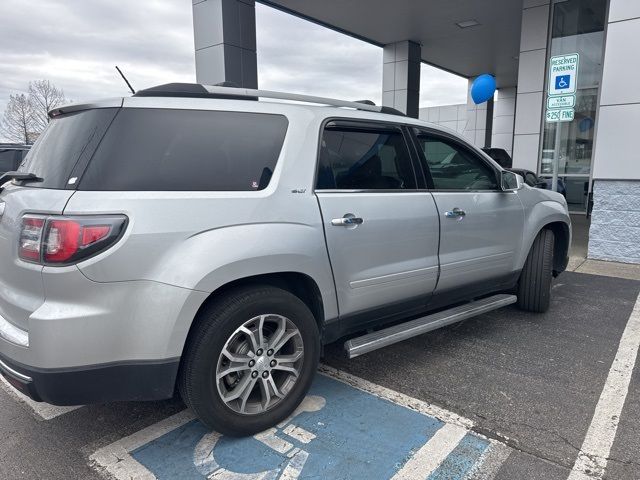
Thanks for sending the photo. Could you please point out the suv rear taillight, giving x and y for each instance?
(58, 240)
(31, 238)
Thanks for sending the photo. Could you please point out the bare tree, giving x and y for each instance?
(26, 116)
(43, 97)
(17, 122)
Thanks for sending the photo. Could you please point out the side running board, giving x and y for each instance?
(388, 336)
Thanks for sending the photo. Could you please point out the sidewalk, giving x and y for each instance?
(607, 269)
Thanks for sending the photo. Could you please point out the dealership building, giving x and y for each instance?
(568, 100)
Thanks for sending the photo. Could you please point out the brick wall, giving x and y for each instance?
(615, 221)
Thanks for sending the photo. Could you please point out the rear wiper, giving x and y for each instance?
(20, 177)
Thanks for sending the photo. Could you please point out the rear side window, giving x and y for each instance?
(186, 150)
(60, 147)
(361, 159)
(8, 160)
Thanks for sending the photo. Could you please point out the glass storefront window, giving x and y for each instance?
(567, 147)
(575, 190)
(575, 138)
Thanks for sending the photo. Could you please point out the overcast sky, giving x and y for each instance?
(76, 43)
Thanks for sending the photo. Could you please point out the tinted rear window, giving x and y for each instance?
(66, 139)
(182, 150)
(8, 160)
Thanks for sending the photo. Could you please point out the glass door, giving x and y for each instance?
(577, 32)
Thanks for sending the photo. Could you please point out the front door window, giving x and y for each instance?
(454, 167)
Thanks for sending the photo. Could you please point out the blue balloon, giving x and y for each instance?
(483, 88)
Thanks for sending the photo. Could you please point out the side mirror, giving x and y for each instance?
(510, 182)
(541, 184)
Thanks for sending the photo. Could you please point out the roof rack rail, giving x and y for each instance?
(366, 102)
(215, 91)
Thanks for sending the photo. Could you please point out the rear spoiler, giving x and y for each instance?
(77, 107)
(19, 176)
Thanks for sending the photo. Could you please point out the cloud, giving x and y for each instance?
(299, 56)
(76, 43)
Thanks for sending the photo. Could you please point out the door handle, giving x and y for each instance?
(349, 220)
(455, 213)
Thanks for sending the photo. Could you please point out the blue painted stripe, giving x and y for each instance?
(462, 459)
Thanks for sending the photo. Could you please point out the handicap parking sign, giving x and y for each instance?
(338, 432)
(563, 74)
(563, 82)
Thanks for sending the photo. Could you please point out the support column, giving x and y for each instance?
(503, 120)
(488, 131)
(615, 221)
(401, 76)
(531, 73)
(225, 42)
(476, 129)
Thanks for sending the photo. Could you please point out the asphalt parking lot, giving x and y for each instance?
(507, 395)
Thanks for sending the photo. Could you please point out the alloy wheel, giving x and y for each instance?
(259, 364)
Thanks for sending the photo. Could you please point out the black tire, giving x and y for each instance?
(215, 325)
(534, 287)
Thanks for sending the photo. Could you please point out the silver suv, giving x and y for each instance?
(200, 238)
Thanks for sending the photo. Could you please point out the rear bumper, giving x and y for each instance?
(91, 342)
(138, 381)
(83, 323)
(13, 334)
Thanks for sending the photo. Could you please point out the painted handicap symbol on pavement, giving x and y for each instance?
(338, 432)
(205, 453)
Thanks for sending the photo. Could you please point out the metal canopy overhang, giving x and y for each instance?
(492, 46)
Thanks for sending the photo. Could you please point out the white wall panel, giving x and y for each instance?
(617, 154)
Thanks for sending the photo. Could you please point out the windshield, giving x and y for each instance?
(66, 141)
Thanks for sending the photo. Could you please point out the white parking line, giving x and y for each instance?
(428, 458)
(115, 458)
(44, 411)
(592, 458)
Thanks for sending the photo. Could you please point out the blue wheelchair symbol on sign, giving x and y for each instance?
(563, 81)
